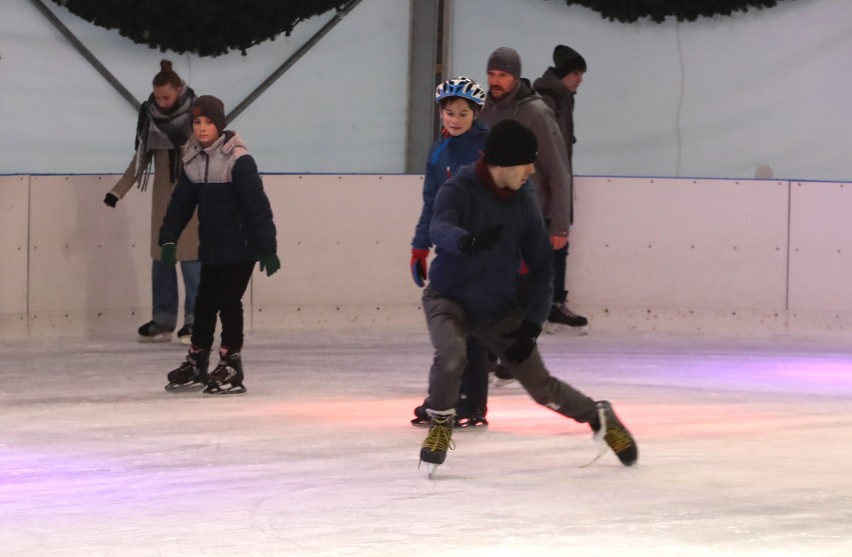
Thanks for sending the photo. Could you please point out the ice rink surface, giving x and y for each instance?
(745, 450)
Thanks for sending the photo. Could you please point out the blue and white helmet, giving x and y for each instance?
(463, 87)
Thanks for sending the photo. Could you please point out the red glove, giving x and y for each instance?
(419, 265)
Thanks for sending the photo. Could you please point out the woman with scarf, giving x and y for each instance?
(164, 125)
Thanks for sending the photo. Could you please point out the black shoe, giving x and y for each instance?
(191, 373)
(185, 334)
(561, 315)
(227, 378)
(154, 332)
(615, 434)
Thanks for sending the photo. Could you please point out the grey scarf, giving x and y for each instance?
(166, 130)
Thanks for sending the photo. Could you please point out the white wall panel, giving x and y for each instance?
(345, 245)
(697, 244)
(645, 254)
(14, 219)
(821, 247)
(88, 262)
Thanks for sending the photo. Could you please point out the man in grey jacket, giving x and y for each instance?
(512, 97)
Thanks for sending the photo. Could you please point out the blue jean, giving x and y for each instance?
(164, 291)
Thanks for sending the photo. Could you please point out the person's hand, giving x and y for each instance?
(168, 253)
(270, 263)
(110, 200)
(558, 242)
(525, 336)
(474, 244)
(419, 265)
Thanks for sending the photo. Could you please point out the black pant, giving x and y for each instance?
(220, 293)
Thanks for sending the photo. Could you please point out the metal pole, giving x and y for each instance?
(87, 54)
(267, 83)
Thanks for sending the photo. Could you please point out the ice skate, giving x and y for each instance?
(502, 376)
(560, 316)
(227, 378)
(421, 417)
(439, 440)
(192, 373)
(185, 334)
(611, 434)
(154, 332)
(474, 420)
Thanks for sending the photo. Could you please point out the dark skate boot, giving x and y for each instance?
(154, 332)
(439, 440)
(502, 376)
(611, 433)
(474, 420)
(421, 417)
(192, 373)
(227, 378)
(185, 334)
(561, 315)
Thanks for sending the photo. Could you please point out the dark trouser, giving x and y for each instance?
(560, 262)
(449, 327)
(220, 293)
(473, 392)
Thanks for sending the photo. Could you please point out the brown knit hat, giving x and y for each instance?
(212, 108)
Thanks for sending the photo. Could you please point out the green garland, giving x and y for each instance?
(205, 27)
(630, 11)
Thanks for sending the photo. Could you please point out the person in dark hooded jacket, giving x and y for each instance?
(512, 97)
(235, 229)
(486, 220)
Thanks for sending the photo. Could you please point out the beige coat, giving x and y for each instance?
(162, 188)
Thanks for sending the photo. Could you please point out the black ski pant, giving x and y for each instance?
(220, 294)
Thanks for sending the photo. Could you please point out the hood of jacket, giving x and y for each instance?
(520, 95)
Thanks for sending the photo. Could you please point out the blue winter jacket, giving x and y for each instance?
(446, 156)
(234, 216)
(486, 285)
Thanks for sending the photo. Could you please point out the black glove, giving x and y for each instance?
(524, 336)
(110, 200)
(472, 245)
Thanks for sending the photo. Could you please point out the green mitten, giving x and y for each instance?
(168, 253)
(270, 263)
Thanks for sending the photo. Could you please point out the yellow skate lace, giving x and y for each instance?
(440, 437)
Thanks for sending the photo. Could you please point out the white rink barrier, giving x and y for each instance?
(646, 254)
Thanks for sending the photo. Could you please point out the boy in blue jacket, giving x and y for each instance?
(486, 219)
(235, 229)
(462, 142)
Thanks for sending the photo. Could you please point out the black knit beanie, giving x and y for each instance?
(505, 59)
(510, 143)
(567, 60)
(212, 108)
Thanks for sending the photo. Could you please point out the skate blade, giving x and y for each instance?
(184, 388)
(162, 337)
(602, 450)
(238, 390)
(552, 328)
(500, 382)
(431, 469)
(556, 328)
